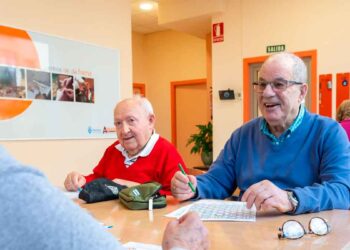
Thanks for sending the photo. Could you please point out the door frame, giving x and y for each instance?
(141, 86)
(173, 86)
(247, 85)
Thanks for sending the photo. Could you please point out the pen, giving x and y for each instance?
(106, 226)
(189, 182)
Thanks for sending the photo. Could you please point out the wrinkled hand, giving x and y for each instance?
(180, 188)
(267, 196)
(188, 233)
(74, 181)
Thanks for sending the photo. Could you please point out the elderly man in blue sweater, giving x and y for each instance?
(288, 160)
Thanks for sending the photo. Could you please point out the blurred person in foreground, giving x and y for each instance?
(36, 215)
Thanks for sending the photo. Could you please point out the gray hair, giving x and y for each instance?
(299, 70)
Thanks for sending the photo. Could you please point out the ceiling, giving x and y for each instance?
(145, 22)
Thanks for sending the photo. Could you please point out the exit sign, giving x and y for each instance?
(275, 48)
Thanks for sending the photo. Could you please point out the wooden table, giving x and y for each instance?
(147, 227)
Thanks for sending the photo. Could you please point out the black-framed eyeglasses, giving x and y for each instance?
(277, 85)
(293, 229)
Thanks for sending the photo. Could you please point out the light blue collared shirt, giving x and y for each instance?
(265, 130)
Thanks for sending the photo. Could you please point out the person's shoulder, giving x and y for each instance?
(112, 149)
(325, 126)
(17, 175)
(346, 121)
(247, 130)
(250, 126)
(345, 124)
(9, 165)
(164, 142)
(19, 170)
(113, 145)
(253, 123)
(320, 120)
(164, 146)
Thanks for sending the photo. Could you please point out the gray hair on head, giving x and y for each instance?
(299, 70)
(143, 102)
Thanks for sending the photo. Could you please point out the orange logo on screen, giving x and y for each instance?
(16, 49)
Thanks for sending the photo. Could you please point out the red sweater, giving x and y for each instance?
(160, 165)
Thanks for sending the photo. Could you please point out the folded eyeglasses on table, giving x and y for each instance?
(293, 229)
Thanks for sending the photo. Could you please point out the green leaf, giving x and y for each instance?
(203, 140)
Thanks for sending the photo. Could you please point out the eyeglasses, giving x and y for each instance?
(278, 85)
(293, 229)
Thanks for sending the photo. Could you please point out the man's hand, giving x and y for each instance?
(74, 181)
(188, 233)
(180, 188)
(266, 196)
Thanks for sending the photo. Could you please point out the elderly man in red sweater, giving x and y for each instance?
(139, 155)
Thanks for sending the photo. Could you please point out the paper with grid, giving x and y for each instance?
(218, 210)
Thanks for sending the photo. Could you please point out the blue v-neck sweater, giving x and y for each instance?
(313, 162)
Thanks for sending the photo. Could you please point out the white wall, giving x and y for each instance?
(227, 73)
(251, 25)
(101, 22)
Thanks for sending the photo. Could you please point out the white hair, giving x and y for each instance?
(299, 70)
(142, 101)
(145, 103)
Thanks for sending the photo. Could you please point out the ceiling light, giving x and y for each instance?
(146, 6)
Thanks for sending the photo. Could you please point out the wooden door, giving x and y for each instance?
(190, 106)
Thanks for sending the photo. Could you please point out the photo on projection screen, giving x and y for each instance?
(12, 82)
(54, 88)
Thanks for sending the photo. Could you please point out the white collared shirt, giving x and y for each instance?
(128, 161)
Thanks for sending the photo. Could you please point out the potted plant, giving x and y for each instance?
(203, 143)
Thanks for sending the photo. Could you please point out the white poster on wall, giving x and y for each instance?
(54, 88)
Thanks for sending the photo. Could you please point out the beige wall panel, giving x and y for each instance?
(171, 56)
